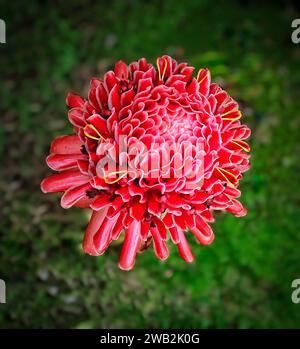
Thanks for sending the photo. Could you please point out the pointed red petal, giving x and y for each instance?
(237, 209)
(93, 226)
(130, 245)
(121, 70)
(101, 201)
(76, 117)
(60, 162)
(114, 100)
(145, 227)
(103, 236)
(66, 145)
(202, 231)
(174, 232)
(83, 202)
(110, 80)
(161, 227)
(63, 181)
(183, 248)
(100, 124)
(72, 195)
(160, 246)
(119, 226)
(74, 100)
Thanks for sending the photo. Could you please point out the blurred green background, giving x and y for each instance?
(244, 279)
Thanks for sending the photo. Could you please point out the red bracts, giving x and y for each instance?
(155, 151)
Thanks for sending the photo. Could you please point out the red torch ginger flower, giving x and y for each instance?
(155, 152)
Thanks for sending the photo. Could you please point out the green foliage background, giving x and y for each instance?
(244, 279)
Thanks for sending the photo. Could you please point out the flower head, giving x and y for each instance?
(154, 153)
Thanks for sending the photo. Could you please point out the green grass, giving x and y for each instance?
(244, 279)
